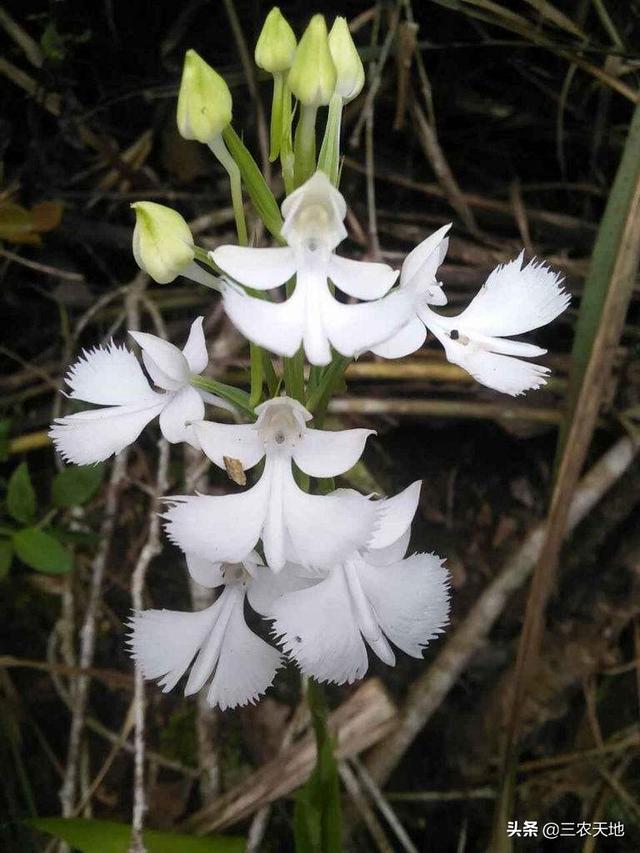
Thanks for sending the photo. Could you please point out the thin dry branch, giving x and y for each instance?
(151, 549)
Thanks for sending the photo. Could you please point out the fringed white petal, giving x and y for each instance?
(205, 572)
(260, 269)
(410, 599)
(361, 279)
(108, 376)
(209, 653)
(277, 326)
(353, 329)
(246, 665)
(195, 349)
(164, 642)
(395, 516)
(325, 529)
(167, 357)
(93, 436)
(319, 630)
(324, 453)
(423, 261)
(184, 408)
(235, 441)
(405, 341)
(500, 372)
(221, 528)
(516, 299)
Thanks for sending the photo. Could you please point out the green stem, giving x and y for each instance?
(329, 158)
(221, 151)
(318, 400)
(287, 158)
(305, 145)
(276, 116)
(239, 398)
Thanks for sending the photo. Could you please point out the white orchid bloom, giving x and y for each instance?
(514, 299)
(111, 376)
(373, 597)
(216, 642)
(311, 316)
(315, 530)
(418, 274)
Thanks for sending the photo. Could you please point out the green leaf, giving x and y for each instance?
(6, 557)
(317, 821)
(261, 196)
(21, 498)
(106, 836)
(42, 552)
(237, 396)
(76, 484)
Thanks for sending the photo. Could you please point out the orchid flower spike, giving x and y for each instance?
(313, 529)
(111, 376)
(376, 596)
(216, 642)
(313, 227)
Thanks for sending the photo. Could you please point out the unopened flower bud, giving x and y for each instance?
(346, 59)
(204, 101)
(276, 45)
(312, 78)
(162, 242)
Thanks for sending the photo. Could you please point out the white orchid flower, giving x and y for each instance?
(311, 316)
(374, 597)
(514, 299)
(313, 529)
(216, 642)
(112, 377)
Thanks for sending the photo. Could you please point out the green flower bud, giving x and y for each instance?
(162, 242)
(276, 45)
(346, 60)
(204, 101)
(312, 78)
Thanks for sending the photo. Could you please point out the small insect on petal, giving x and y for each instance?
(234, 470)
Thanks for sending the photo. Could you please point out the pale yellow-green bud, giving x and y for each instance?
(162, 242)
(350, 79)
(276, 45)
(312, 78)
(204, 101)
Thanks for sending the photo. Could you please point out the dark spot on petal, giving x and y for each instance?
(298, 639)
(454, 334)
(279, 438)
